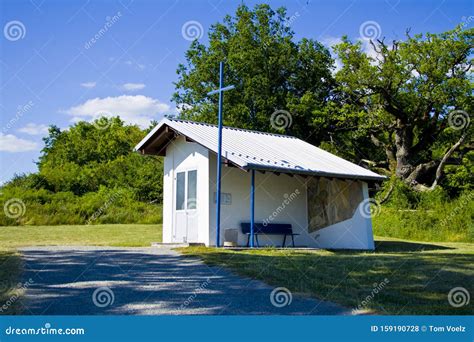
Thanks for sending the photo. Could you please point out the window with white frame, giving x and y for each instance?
(186, 190)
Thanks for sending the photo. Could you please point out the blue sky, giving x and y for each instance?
(63, 61)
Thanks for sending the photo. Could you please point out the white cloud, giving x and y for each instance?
(34, 129)
(11, 143)
(369, 50)
(88, 85)
(366, 47)
(137, 109)
(133, 86)
(329, 42)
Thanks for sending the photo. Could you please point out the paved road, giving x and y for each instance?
(145, 281)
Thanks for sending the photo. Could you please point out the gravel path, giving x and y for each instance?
(146, 281)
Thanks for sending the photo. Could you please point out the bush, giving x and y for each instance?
(43, 207)
(426, 216)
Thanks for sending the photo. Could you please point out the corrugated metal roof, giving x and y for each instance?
(265, 151)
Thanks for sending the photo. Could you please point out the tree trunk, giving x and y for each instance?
(403, 143)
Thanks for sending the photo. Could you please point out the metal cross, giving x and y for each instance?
(221, 91)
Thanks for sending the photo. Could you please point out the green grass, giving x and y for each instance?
(417, 277)
(132, 235)
(426, 225)
(426, 216)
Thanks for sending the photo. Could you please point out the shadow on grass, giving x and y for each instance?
(404, 246)
(10, 269)
(414, 283)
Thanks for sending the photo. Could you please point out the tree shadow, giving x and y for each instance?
(408, 283)
(141, 282)
(403, 246)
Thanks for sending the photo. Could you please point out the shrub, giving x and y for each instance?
(427, 216)
(43, 207)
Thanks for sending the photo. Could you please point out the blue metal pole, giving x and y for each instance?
(219, 154)
(252, 207)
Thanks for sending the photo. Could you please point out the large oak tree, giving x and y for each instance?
(412, 98)
(270, 69)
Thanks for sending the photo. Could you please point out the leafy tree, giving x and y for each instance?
(270, 70)
(411, 98)
(90, 155)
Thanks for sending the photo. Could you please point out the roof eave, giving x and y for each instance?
(313, 173)
(147, 138)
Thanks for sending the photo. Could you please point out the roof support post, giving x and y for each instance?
(252, 206)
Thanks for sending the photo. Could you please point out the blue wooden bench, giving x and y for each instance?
(284, 229)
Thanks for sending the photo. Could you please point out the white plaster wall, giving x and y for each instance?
(167, 195)
(181, 156)
(355, 233)
(269, 195)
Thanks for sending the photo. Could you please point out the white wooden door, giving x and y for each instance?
(186, 213)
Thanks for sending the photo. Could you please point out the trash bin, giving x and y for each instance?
(231, 236)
